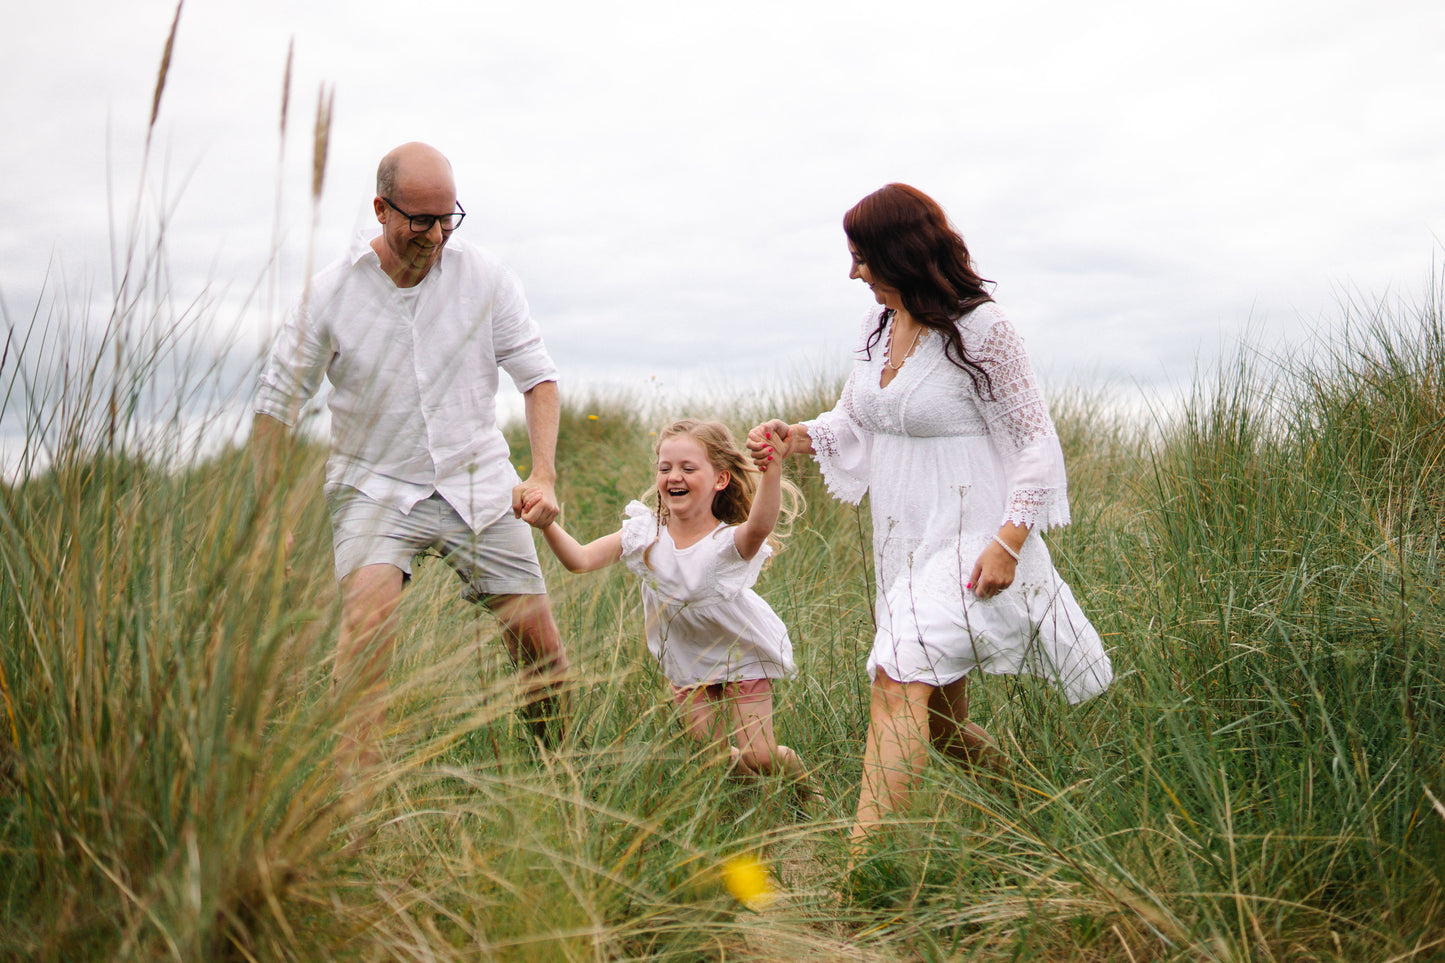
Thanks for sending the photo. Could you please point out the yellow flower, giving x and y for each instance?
(747, 879)
(591, 417)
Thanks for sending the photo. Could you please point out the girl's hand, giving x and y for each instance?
(535, 508)
(769, 442)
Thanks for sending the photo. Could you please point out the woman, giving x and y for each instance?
(943, 425)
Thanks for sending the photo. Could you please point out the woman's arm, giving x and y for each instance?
(576, 557)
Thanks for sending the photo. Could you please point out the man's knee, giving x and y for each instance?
(528, 620)
(369, 598)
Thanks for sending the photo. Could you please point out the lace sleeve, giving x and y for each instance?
(842, 449)
(1019, 423)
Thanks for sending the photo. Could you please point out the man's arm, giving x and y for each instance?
(535, 500)
(270, 440)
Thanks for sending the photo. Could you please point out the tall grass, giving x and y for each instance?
(1262, 782)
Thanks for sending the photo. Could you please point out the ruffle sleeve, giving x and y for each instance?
(1019, 423)
(842, 448)
(734, 573)
(639, 528)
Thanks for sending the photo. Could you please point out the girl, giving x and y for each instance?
(698, 555)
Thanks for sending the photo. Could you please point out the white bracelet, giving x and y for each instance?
(1007, 548)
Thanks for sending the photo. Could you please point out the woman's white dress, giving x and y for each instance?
(944, 465)
(705, 624)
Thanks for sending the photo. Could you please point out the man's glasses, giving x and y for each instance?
(421, 223)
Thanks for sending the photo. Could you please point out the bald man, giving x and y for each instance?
(411, 329)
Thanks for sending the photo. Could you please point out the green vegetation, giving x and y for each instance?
(1263, 782)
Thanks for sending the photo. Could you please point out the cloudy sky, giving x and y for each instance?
(1144, 181)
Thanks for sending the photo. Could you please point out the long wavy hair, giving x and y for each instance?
(907, 242)
(732, 504)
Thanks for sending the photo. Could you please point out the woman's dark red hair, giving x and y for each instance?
(905, 239)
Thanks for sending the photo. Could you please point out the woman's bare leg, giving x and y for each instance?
(895, 750)
(957, 738)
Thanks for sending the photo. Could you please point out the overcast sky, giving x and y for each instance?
(1144, 181)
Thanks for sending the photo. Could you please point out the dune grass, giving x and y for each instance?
(1262, 782)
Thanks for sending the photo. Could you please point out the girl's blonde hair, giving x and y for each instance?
(732, 504)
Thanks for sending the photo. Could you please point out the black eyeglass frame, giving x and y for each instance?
(429, 219)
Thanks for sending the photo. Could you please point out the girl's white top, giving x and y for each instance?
(944, 465)
(705, 623)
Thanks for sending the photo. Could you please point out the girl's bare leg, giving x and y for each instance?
(756, 744)
(895, 750)
(702, 720)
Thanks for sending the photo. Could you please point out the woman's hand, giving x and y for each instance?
(768, 442)
(997, 563)
(993, 572)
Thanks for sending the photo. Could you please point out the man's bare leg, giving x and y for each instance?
(535, 644)
(369, 599)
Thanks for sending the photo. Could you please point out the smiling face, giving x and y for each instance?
(882, 293)
(686, 480)
(422, 184)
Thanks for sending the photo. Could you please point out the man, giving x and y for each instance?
(411, 329)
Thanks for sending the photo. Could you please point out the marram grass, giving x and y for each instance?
(1262, 782)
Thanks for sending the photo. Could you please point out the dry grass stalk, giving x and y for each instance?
(165, 69)
(321, 140)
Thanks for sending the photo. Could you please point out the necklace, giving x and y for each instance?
(887, 360)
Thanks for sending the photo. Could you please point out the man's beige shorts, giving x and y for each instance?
(501, 559)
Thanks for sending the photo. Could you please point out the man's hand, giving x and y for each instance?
(535, 503)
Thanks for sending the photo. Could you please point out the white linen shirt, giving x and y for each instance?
(414, 375)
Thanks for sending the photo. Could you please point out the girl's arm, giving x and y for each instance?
(576, 557)
(751, 534)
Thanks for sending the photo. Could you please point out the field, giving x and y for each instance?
(1264, 781)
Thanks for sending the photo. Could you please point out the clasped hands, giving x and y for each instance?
(769, 443)
(535, 503)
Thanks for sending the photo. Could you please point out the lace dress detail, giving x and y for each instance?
(944, 465)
